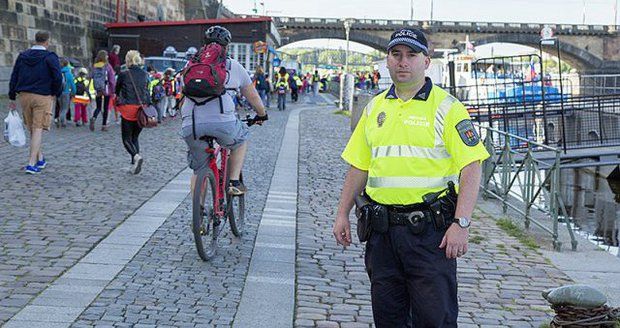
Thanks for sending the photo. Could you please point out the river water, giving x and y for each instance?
(594, 204)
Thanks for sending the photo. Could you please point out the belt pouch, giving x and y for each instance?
(379, 218)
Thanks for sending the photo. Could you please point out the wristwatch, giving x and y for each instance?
(463, 222)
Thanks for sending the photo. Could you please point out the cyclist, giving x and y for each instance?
(221, 123)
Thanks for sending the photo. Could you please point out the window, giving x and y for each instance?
(245, 55)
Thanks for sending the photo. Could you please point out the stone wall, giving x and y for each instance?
(76, 25)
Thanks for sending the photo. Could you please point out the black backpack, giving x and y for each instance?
(80, 87)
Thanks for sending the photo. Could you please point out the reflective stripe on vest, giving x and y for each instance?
(440, 117)
(410, 151)
(411, 182)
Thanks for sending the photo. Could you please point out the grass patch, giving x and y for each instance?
(514, 231)
(545, 325)
(343, 112)
(508, 309)
(476, 239)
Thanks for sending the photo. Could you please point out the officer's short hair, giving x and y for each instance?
(42, 36)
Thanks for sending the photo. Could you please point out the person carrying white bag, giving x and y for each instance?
(14, 129)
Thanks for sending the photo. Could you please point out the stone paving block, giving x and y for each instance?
(276, 310)
(36, 324)
(48, 313)
(84, 270)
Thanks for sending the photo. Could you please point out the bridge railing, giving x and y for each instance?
(451, 25)
(522, 183)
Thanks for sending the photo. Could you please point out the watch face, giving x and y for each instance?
(463, 222)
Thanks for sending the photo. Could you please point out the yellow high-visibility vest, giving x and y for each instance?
(414, 147)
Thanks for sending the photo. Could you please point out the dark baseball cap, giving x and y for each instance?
(410, 37)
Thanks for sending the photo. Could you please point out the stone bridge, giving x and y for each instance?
(589, 48)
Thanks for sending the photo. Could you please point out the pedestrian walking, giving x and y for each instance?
(413, 148)
(169, 101)
(84, 96)
(35, 82)
(292, 83)
(158, 95)
(114, 59)
(282, 86)
(261, 85)
(316, 83)
(104, 83)
(132, 90)
(68, 91)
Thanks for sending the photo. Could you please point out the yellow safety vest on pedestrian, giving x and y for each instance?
(282, 81)
(298, 81)
(414, 147)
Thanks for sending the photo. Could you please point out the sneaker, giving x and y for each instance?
(137, 166)
(32, 169)
(104, 128)
(41, 164)
(91, 124)
(236, 188)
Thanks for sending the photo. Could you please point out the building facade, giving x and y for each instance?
(77, 27)
(152, 38)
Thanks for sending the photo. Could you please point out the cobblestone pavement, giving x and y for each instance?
(500, 281)
(49, 221)
(166, 284)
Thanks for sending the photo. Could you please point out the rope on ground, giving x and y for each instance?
(569, 317)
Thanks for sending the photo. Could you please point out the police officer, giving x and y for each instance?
(412, 141)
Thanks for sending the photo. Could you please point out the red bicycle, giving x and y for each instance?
(212, 205)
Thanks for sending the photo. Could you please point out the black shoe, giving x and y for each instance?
(236, 188)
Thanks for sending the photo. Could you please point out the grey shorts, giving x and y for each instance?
(229, 135)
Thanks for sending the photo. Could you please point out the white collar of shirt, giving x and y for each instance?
(38, 47)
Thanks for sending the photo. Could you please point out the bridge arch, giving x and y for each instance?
(578, 58)
(370, 40)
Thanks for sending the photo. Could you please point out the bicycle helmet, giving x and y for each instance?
(219, 35)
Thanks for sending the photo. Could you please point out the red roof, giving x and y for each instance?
(191, 22)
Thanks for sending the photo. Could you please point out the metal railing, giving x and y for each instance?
(522, 183)
(599, 84)
(577, 122)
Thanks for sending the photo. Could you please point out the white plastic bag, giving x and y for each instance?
(14, 129)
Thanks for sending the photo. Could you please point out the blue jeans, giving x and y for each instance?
(263, 97)
(282, 101)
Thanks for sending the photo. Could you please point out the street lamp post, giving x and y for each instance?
(347, 28)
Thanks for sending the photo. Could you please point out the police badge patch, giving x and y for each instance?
(381, 119)
(467, 133)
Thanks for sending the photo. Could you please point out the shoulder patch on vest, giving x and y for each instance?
(468, 134)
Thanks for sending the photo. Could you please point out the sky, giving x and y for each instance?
(595, 12)
(598, 12)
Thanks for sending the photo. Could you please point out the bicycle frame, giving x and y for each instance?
(220, 174)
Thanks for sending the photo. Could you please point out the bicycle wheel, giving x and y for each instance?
(236, 212)
(204, 224)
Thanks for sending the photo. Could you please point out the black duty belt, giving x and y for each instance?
(401, 216)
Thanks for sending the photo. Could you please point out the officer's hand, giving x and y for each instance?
(455, 241)
(342, 231)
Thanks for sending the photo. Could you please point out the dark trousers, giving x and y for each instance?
(412, 283)
(130, 131)
(294, 95)
(105, 101)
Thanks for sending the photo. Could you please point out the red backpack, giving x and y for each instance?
(205, 74)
